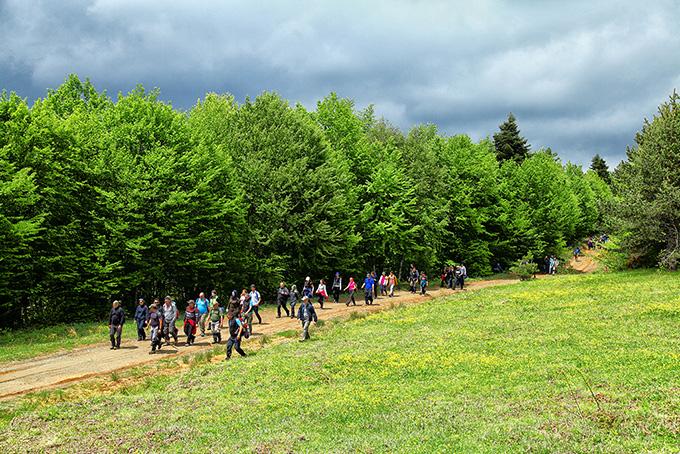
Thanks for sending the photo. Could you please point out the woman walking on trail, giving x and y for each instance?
(337, 287)
(191, 319)
(247, 310)
(236, 332)
(351, 287)
(294, 297)
(282, 296)
(306, 314)
(141, 314)
(170, 315)
(423, 283)
(155, 322)
(383, 284)
(216, 318)
(308, 288)
(392, 282)
(321, 292)
(255, 302)
(116, 321)
(234, 308)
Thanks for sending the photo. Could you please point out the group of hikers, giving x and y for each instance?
(204, 314)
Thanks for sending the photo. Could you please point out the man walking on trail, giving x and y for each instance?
(337, 287)
(255, 303)
(282, 295)
(170, 315)
(216, 319)
(141, 314)
(577, 252)
(116, 321)
(203, 306)
(235, 334)
(306, 314)
(413, 278)
(155, 322)
(368, 285)
(461, 274)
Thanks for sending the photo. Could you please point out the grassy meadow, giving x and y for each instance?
(577, 363)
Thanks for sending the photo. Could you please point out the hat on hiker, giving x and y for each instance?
(305, 298)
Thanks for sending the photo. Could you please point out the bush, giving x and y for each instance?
(525, 268)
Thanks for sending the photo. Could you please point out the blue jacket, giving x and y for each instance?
(141, 314)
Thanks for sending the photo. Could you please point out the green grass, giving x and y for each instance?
(29, 343)
(587, 363)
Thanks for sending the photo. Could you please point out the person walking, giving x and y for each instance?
(413, 278)
(294, 297)
(116, 321)
(170, 315)
(374, 276)
(235, 307)
(282, 297)
(337, 287)
(392, 282)
(368, 285)
(383, 284)
(255, 300)
(216, 318)
(141, 314)
(321, 292)
(423, 283)
(191, 319)
(203, 306)
(351, 287)
(236, 331)
(461, 274)
(306, 314)
(247, 310)
(308, 288)
(155, 322)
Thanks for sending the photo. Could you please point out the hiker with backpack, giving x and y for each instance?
(255, 300)
(282, 297)
(116, 321)
(170, 315)
(413, 278)
(203, 306)
(306, 315)
(423, 283)
(294, 297)
(141, 314)
(368, 285)
(337, 287)
(236, 331)
(155, 322)
(321, 292)
(216, 318)
(351, 287)
(191, 319)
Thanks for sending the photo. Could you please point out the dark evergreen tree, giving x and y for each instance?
(509, 144)
(599, 166)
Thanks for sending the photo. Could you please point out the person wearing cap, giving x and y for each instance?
(116, 321)
(337, 287)
(141, 314)
(255, 302)
(306, 314)
(155, 322)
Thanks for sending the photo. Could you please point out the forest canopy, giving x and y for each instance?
(127, 198)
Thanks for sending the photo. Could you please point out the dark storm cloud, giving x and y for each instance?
(580, 76)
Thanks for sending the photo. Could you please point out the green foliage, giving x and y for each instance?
(103, 199)
(647, 212)
(509, 144)
(525, 268)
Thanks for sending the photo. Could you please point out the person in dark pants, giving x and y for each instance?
(337, 287)
(351, 287)
(306, 315)
(235, 333)
(141, 314)
(282, 295)
(116, 321)
(461, 274)
(255, 299)
(294, 297)
(192, 317)
(155, 322)
(368, 285)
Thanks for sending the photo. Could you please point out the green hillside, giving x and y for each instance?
(569, 364)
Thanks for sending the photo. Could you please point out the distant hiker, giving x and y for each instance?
(236, 331)
(170, 315)
(203, 306)
(214, 298)
(392, 282)
(577, 252)
(308, 288)
(255, 300)
(351, 287)
(382, 282)
(461, 274)
(141, 314)
(155, 322)
(294, 297)
(321, 292)
(590, 243)
(557, 263)
(234, 308)
(337, 287)
(306, 314)
(191, 318)
(449, 276)
(247, 310)
(413, 278)
(116, 321)
(216, 318)
(282, 296)
(368, 285)
(374, 276)
(423, 283)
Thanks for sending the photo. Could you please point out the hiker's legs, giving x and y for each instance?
(202, 321)
(336, 295)
(292, 309)
(112, 335)
(187, 331)
(257, 313)
(305, 329)
(392, 290)
(141, 334)
(321, 301)
(230, 345)
(237, 347)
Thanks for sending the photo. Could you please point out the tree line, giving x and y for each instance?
(128, 198)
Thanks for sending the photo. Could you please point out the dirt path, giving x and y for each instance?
(63, 368)
(586, 263)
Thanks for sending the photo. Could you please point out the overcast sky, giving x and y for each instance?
(580, 76)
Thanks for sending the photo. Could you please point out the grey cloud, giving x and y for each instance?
(580, 76)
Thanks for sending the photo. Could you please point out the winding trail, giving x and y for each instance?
(63, 368)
